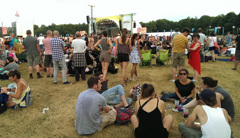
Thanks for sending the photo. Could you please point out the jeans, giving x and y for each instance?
(61, 63)
(113, 95)
(174, 95)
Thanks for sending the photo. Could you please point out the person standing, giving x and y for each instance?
(237, 54)
(58, 57)
(135, 55)
(122, 50)
(211, 41)
(175, 34)
(194, 57)
(79, 61)
(202, 39)
(91, 42)
(105, 56)
(180, 42)
(40, 40)
(48, 54)
(11, 43)
(229, 39)
(33, 53)
(86, 39)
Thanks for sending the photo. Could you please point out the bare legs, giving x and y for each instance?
(236, 64)
(174, 70)
(213, 55)
(192, 104)
(124, 66)
(195, 75)
(50, 70)
(134, 70)
(104, 69)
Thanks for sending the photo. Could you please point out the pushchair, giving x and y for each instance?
(92, 58)
(146, 61)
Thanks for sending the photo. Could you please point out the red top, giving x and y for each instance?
(194, 59)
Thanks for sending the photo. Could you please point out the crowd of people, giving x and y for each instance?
(213, 105)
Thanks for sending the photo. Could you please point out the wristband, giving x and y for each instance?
(8, 93)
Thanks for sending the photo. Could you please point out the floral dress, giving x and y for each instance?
(135, 57)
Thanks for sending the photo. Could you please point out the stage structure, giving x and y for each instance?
(113, 24)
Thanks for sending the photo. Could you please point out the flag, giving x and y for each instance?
(17, 14)
(223, 30)
(4, 30)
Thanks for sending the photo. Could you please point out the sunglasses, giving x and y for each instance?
(182, 73)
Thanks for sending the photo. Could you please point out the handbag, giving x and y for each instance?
(215, 44)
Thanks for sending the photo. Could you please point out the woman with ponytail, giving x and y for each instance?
(122, 51)
(224, 99)
(149, 119)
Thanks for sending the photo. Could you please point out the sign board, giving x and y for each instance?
(4, 30)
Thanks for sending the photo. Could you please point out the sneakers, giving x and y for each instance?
(132, 79)
(67, 82)
(234, 69)
(178, 109)
(172, 80)
(55, 82)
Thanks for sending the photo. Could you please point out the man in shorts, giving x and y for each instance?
(48, 54)
(89, 105)
(180, 42)
(33, 53)
(237, 54)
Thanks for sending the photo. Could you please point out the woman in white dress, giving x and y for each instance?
(135, 54)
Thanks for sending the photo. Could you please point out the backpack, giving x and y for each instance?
(123, 116)
(3, 102)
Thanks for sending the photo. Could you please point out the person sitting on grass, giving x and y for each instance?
(10, 66)
(214, 121)
(224, 99)
(115, 95)
(185, 89)
(88, 107)
(149, 120)
(22, 96)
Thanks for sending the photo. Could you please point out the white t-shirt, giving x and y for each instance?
(78, 45)
(40, 38)
(211, 41)
(202, 38)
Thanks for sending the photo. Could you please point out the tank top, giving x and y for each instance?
(123, 48)
(21, 100)
(150, 123)
(135, 48)
(216, 125)
(104, 44)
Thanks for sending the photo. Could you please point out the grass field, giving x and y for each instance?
(61, 100)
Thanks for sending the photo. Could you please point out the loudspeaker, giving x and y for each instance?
(88, 19)
(134, 25)
(120, 25)
(94, 31)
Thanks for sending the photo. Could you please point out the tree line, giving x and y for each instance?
(205, 22)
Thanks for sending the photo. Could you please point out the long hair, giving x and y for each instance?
(124, 35)
(133, 37)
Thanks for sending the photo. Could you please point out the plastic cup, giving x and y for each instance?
(176, 103)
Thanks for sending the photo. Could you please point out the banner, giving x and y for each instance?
(142, 30)
(223, 30)
(4, 30)
(127, 22)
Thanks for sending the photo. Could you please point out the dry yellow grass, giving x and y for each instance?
(61, 100)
